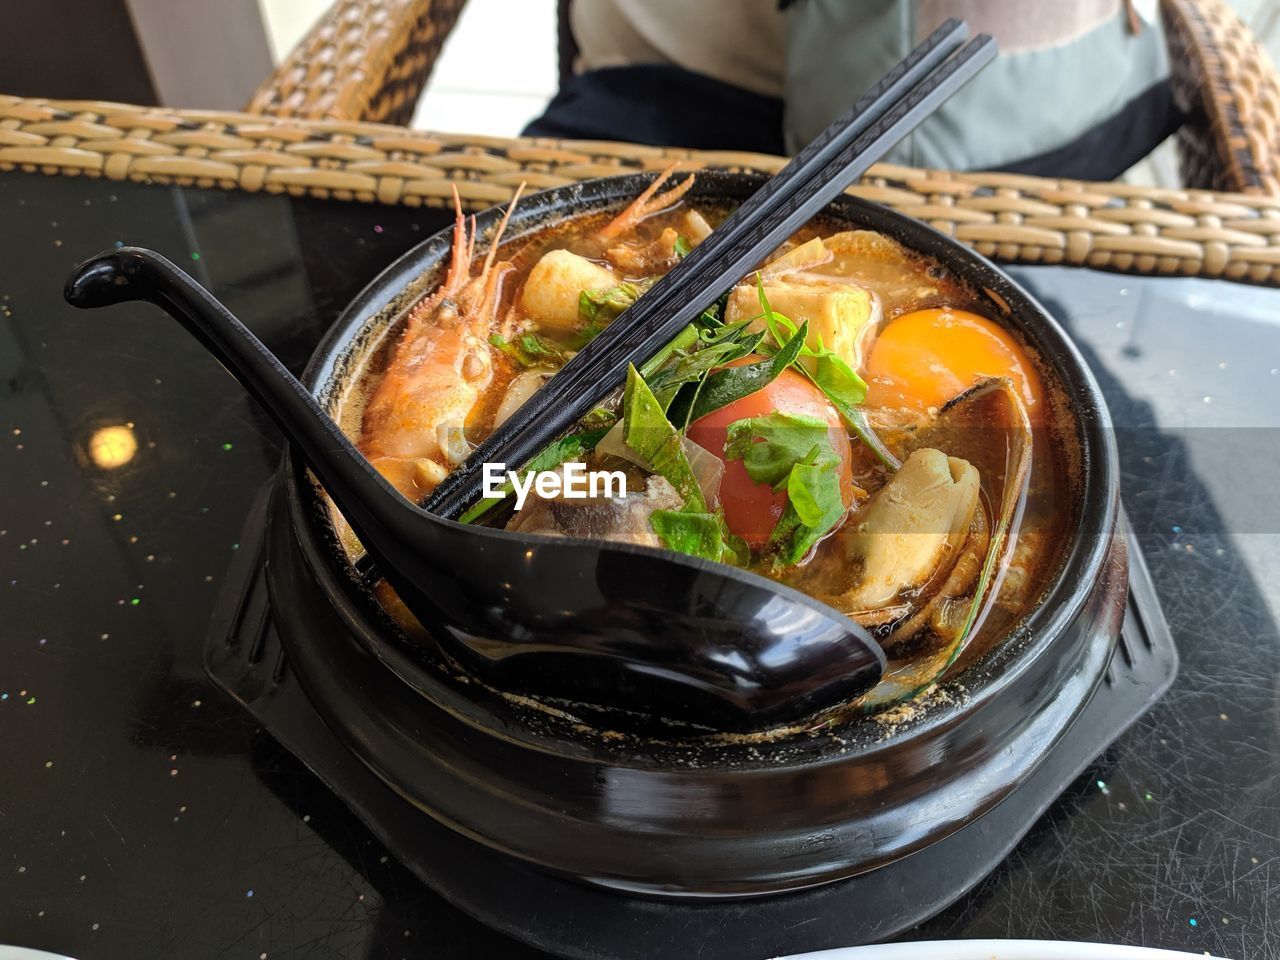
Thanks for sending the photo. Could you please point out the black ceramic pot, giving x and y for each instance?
(693, 816)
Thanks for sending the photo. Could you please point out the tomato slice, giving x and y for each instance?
(751, 510)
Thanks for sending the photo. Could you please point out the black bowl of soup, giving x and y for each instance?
(976, 538)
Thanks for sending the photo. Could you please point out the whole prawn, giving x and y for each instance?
(413, 429)
(413, 425)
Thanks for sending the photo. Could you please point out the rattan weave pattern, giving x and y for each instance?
(368, 60)
(363, 60)
(1226, 83)
(1016, 219)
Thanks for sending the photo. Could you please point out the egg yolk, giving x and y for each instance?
(925, 358)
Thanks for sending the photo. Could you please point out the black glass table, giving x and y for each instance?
(142, 813)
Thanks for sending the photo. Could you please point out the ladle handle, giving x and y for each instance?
(369, 503)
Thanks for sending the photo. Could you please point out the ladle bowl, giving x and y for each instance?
(643, 629)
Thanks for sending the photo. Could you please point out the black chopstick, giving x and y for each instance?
(817, 175)
(889, 89)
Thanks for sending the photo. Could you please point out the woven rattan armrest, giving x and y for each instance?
(364, 60)
(1017, 219)
(1227, 85)
(369, 60)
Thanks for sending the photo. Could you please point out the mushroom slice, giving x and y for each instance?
(601, 518)
(989, 423)
(958, 584)
(911, 532)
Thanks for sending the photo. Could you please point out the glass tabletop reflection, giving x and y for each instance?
(142, 813)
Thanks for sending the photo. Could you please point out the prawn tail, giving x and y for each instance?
(648, 203)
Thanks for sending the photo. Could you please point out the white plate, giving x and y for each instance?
(997, 950)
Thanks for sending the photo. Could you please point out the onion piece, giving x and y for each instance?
(696, 227)
(811, 253)
(708, 469)
(612, 445)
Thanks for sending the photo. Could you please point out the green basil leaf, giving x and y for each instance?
(531, 350)
(727, 385)
(700, 535)
(815, 490)
(814, 507)
(856, 421)
(599, 417)
(691, 368)
(838, 381)
(648, 432)
(604, 305)
(836, 378)
(782, 328)
(684, 341)
(771, 445)
(725, 331)
(712, 317)
(695, 534)
(507, 347)
(597, 309)
(791, 349)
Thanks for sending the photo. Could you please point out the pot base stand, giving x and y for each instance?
(244, 657)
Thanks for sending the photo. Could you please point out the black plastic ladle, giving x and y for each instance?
(632, 627)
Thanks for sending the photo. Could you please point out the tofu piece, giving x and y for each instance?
(551, 292)
(839, 314)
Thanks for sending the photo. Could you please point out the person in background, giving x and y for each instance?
(1080, 89)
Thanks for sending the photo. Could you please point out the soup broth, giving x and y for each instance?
(905, 455)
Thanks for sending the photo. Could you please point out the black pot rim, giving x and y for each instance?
(542, 792)
(1061, 601)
